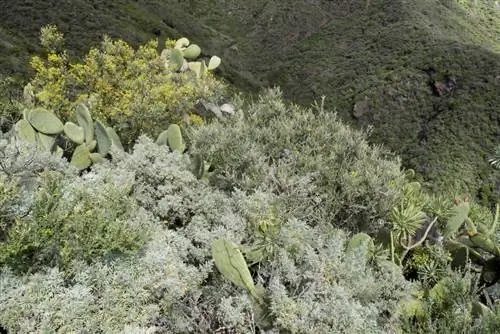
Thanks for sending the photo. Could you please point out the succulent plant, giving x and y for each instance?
(42, 127)
(176, 58)
(173, 138)
(45, 121)
(232, 265)
(192, 52)
(104, 141)
(74, 132)
(85, 121)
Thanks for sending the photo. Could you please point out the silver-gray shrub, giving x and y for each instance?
(322, 169)
(171, 285)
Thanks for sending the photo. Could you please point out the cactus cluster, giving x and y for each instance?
(179, 58)
(42, 127)
(93, 138)
(475, 241)
(467, 242)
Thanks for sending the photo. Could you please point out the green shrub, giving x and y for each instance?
(131, 90)
(311, 283)
(321, 169)
(65, 218)
(450, 307)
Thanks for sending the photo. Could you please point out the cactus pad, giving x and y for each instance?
(174, 138)
(81, 157)
(214, 63)
(103, 140)
(192, 52)
(45, 121)
(74, 132)
(25, 131)
(85, 121)
(232, 265)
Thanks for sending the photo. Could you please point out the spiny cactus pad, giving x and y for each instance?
(74, 132)
(181, 43)
(25, 131)
(162, 138)
(115, 140)
(232, 265)
(81, 157)
(103, 140)
(176, 59)
(192, 52)
(85, 121)
(45, 121)
(196, 67)
(46, 141)
(214, 63)
(174, 138)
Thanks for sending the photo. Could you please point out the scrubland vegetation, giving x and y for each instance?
(139, 194)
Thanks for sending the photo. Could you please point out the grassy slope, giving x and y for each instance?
(381, 54)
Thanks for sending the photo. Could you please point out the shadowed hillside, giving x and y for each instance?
(425, 74)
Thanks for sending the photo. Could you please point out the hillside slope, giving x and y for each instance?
(425, 74)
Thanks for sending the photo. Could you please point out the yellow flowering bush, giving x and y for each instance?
(131, 90)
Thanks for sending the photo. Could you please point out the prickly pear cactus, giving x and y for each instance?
(192, 52)
(232, 265)
(25, 131)
(46, 141)
(74, 133)
(81, 157)
(162, 138)
(181, 43)
(115, 140)
(174, 138)
(85, 121)
(29, 95)
(214, 63)
(103, 140)
(45, 121)
(176, 59)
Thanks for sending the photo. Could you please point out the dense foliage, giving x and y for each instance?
(133, 91)
(273, 218)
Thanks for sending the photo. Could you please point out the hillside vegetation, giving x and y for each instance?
(149, 186)
(380, 63)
